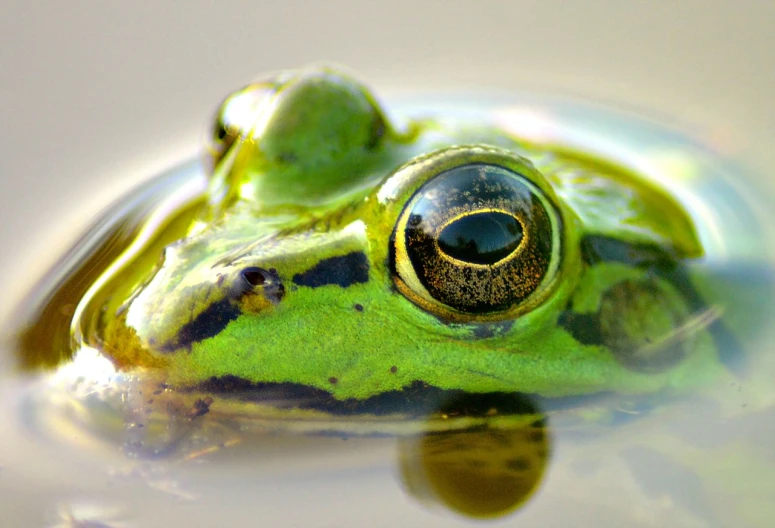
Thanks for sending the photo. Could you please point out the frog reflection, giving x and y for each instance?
(487, 471)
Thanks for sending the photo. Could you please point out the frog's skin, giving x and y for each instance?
(298, 271)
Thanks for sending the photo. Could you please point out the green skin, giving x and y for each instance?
(307, 168)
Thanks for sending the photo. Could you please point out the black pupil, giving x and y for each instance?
(481, 238)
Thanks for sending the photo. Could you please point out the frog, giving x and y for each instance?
(346, 270)
(342, 255)
(374, 266)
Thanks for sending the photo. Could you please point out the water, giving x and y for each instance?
(702, 461)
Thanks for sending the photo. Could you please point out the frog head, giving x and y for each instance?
(345, 255)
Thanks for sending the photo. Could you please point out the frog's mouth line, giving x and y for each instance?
(415, 401)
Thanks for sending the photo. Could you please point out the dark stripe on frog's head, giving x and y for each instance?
(416, 400)
(586, 328)
(342, 270)
(210, 322)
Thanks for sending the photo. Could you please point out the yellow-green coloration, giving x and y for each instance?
(298, 267)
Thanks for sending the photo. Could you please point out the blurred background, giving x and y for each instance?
(96, 97)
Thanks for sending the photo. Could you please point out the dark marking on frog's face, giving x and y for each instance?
(208, 323)
(585, 328)
(343, 271)
(415, 400)
(213, 319)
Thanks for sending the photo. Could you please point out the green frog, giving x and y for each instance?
(345, 271)
(354, 258)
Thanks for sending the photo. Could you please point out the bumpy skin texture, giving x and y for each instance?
(292, 273)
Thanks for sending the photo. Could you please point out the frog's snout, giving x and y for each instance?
(251, 290)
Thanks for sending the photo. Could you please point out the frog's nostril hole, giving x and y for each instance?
(254, 276)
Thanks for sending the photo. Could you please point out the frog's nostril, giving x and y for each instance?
(258, 280)
(255, 276)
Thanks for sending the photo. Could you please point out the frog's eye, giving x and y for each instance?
(478, 239)
(237, 117)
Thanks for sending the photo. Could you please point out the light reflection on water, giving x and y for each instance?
(704, 461)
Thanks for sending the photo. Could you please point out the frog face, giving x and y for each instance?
(342, 253)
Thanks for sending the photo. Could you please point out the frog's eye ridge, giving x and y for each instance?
(478, 238)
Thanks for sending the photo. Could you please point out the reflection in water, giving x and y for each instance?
(481, 472)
